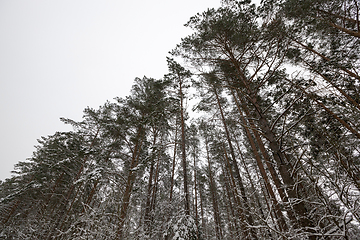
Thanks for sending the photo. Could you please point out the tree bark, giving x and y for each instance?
(130, 182)
(183, 150)
(235, 167)
(173, 163)
(213, 195)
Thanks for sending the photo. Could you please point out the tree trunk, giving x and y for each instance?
(213, 196)
(284, 167)
(183, 151)
(130, 182)
(150, 184)
(195, 195)
(173, 163)
(236, 168)
(279, 216)
(239, 208)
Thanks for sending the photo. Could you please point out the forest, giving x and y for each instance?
(253, 133)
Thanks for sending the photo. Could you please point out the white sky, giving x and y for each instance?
(59, 56)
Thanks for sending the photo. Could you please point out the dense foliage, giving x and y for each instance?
(273, 152)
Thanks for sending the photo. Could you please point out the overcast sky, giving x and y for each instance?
(59, 56)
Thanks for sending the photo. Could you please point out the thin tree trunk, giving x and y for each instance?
(230, 196)
(203, 223)
(150, 184)
(239, 207)
(129, 185)
(195, 195)
(257, 195)
(213, 195)
(173, 162)
(235, 167)
(183, 151)
(154, 192)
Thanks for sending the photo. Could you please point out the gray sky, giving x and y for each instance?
(58, 57)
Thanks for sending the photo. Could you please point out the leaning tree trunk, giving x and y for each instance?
(283, 165)
(236, 168)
